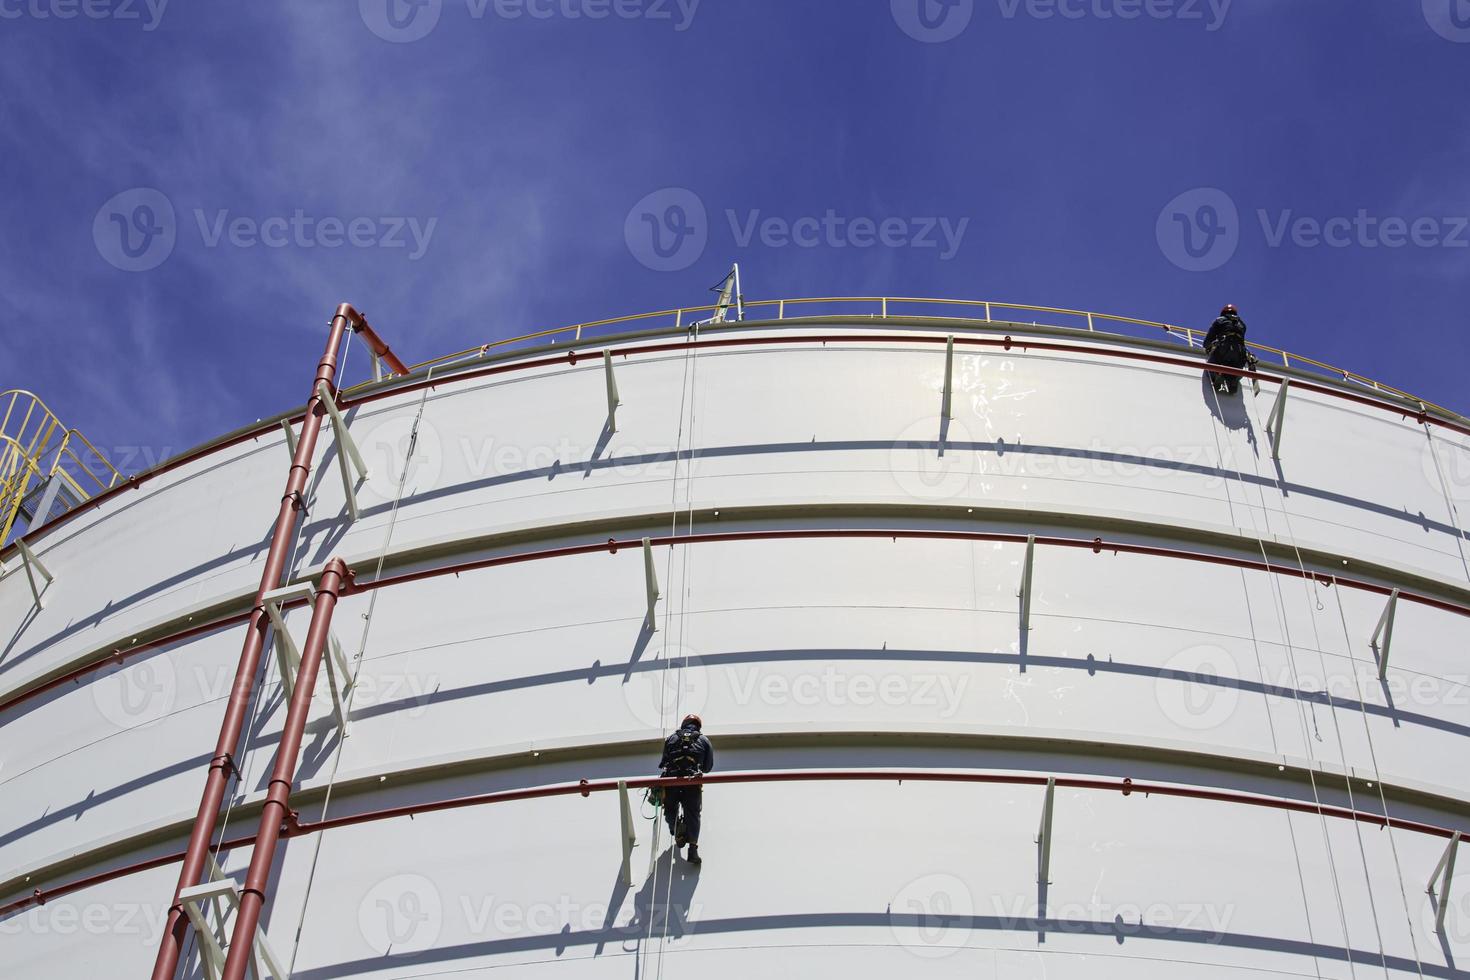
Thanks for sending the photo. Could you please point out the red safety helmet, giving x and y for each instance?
(1229, 309)
(695, 720)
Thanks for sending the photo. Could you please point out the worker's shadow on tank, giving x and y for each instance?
(661, 906)
(1229, 410)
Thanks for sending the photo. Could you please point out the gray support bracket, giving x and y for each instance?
(346, 449)
(211, 952)
(290, 438)
(34, 566)
(613, 401)
(1025, 593)
(1447, 866)
(288, 655)
(1043, 834)
(48, 500)
(1385, 630)
(650, 581)
(1277, 419)
(629, 834)
(946, 408)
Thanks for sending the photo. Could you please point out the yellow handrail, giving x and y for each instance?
(29, 433)
(684, 316)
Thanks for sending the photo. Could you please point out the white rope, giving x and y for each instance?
(357, 661)
(1378, 779)
(686, 401)
(1280, 608)
(1314, 604)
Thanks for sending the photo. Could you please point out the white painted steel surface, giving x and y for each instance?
(832, 653)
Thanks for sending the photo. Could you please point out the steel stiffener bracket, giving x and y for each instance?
(613, 401)
(1277, 419)
(290, 438)
(48, 500)
(346, 449)
(211, 952)
(1447, 866)
(1025, 593)
(947, 405)
(629, 833)
(288, 655)
(1043, 834)
(650, 581)
(33, 567)
(1385, 630)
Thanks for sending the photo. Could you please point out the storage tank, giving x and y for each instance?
(1023, 651)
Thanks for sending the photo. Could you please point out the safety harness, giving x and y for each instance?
(684, 761)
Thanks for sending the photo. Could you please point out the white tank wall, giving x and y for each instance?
(1143, 658)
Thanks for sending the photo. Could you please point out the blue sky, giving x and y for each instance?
(481, 168)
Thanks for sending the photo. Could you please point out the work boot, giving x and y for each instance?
(680, 841)
(694, 857)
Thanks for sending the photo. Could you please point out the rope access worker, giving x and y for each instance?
(1225, 344)
(687, 754)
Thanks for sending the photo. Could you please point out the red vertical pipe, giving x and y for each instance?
(277, 808)
(292, 503)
